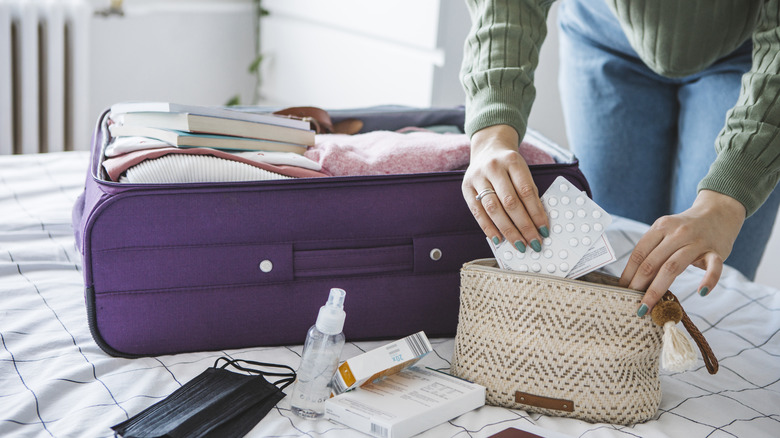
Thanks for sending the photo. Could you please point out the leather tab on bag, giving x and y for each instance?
(318, 118)
(320, 121)
(539, 401)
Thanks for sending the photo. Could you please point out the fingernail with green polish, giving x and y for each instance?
(544, 231)
(704, 291)
(536, 245)
(496, 240)
(520, 246)
(642, 310)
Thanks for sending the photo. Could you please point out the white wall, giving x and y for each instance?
(546, 114)
(195, 52)
(454, 23)
(350, 53)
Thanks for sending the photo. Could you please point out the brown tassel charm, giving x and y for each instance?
(677, 354)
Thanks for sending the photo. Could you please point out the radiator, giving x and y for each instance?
(44, 69)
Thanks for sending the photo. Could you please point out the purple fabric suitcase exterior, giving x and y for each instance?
(191, 267)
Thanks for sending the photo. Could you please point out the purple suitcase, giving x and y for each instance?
(177, 268)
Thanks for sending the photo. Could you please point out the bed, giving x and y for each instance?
(55, 381)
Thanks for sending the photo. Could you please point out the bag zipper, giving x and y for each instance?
(476, 265)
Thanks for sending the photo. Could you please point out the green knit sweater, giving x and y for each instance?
(675, 38)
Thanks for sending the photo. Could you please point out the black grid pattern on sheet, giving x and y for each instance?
(55, 381)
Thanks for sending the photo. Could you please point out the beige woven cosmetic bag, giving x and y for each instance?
(572, 348)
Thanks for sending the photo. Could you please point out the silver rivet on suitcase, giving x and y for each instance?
(435, 254)
(266, 266)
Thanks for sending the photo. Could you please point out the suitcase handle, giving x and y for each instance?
(353, 261)
(443, 253)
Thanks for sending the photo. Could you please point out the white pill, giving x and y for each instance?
(596, 214)
(507, 255)
(564, 266)
(557, 228)
(586, 241)
(585, 228)
(550, 268)
(580, 200)
(570, 227)
(522, 268)
(548, 254)
(535, 255)
(563, 254)
(564, 187)
(552, 201)
(581, 213)
(569, 214)
(565, 200)
(598, 227)
(573, 242)
(553, 214)
(536, 267)
(546, 241)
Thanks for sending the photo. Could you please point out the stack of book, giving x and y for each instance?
(187, 126)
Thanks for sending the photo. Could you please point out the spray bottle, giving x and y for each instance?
(320, 357)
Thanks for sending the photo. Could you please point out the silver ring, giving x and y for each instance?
(484, 193)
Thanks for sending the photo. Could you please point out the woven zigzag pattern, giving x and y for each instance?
(561, 339)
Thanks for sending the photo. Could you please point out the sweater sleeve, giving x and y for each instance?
(500, 55)
(748, 164)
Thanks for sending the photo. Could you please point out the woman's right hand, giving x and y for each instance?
(508, 203)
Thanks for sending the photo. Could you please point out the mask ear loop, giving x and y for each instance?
(287, 382)
(289, 377)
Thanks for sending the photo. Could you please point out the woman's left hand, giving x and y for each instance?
(701, 236)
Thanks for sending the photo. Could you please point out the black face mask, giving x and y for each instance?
(216, 403)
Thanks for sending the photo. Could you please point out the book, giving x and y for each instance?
(213, 111)
(195, 123)
(405, 404)
(189, 140)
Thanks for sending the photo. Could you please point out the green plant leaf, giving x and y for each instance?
(254, 67)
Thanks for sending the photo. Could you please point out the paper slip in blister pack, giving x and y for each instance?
(577, 243)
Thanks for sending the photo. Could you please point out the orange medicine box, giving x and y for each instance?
(380, 362)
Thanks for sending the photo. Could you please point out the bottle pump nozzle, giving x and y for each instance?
(330, 320)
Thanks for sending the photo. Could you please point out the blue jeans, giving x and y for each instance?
(645, 141)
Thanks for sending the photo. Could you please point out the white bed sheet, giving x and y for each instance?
(55, 381)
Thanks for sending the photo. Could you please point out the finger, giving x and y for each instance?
(668, 271)
(496, 210)
(641, 251)
(514, 221)
(664, 258)
(525, 208)
(479, 213)
(712, 274)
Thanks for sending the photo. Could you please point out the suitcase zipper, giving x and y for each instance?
(89, 292)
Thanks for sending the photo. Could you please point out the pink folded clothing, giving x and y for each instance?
(388, 152)
(116, 166)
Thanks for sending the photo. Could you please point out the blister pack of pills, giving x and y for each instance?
(577, 243)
